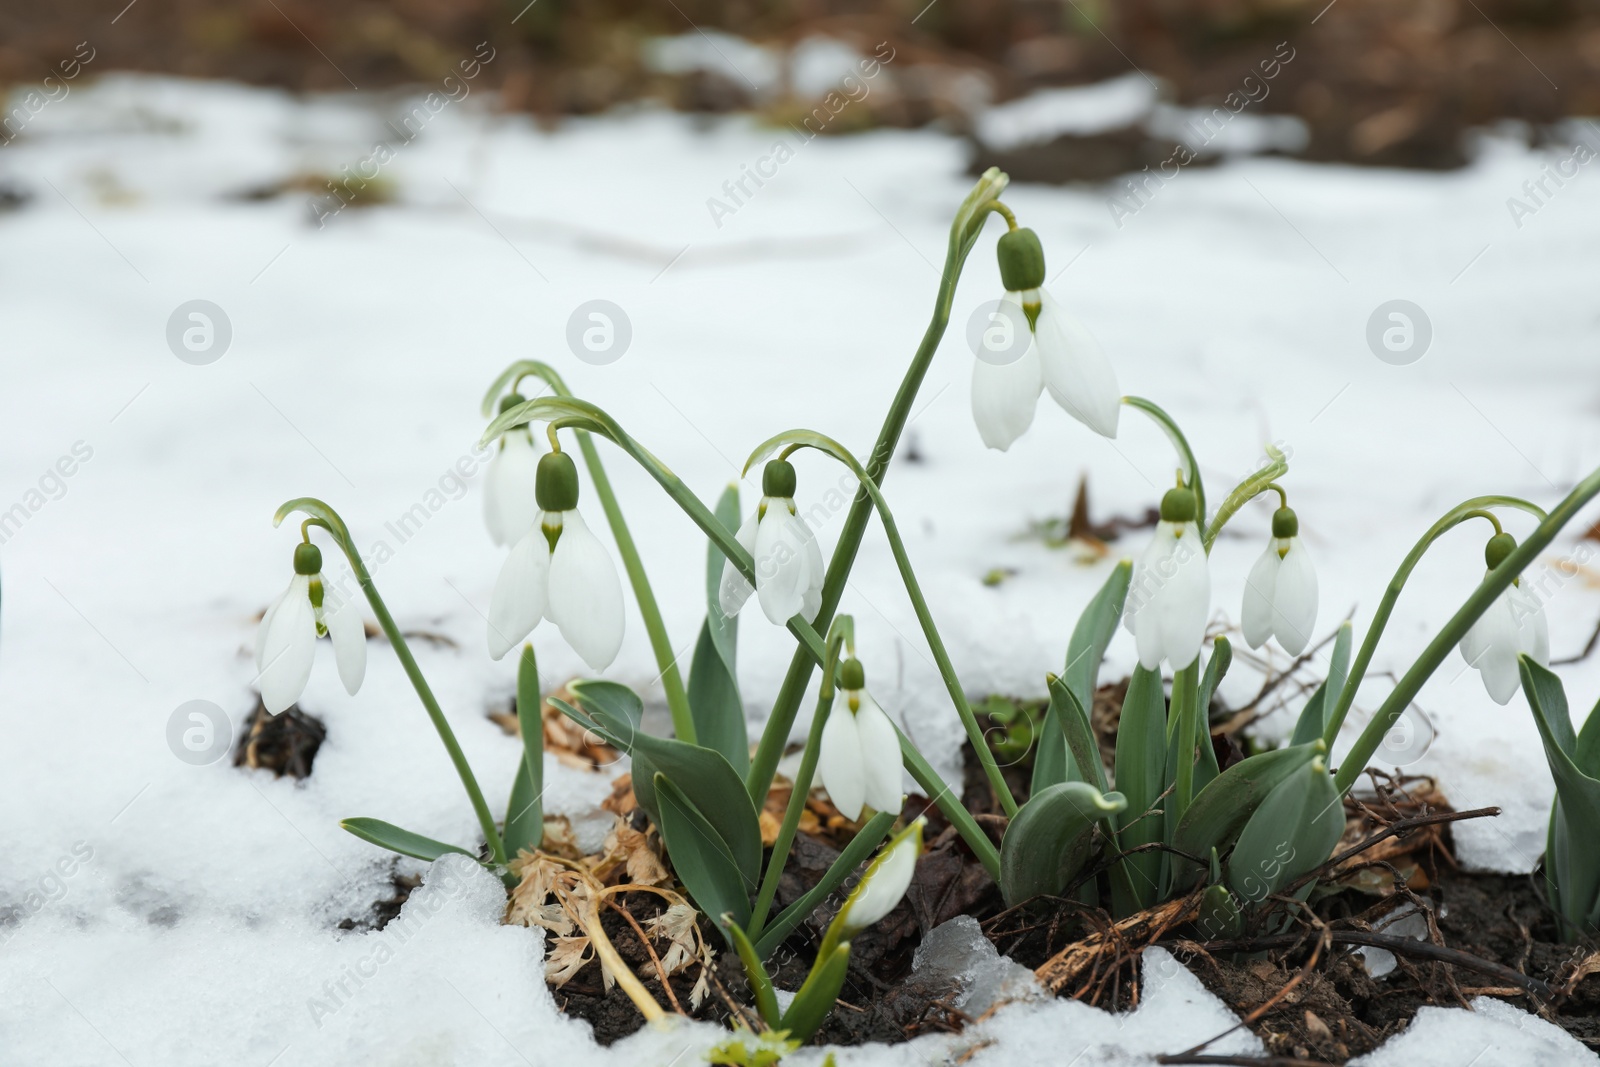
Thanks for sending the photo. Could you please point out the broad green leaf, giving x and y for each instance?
(699, 856)
(1069, 716)
(1219, 811)
(854, 854)
(1575, 819)
(1294, 830)
(714, 698)
(755, 973)
(1141, 777)
(1313, 721)
(817, 996)
(389, 836)
(1587, 754)
(1085, 652)
(1046, 844)
(704, 776)
(525, 813)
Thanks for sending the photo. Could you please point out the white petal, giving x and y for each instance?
(1502, 677)
(1477, 639)
(880, 756)
(289, 647)
(734, 590)
(585, 594)
(265, 625)
(509, 505)
(348, 633)
(1294, 606)
(811, 602)
(1075, 369)
(1143, 614)
(521, 593)
(1532, 627)
(1495, 636)
(1004, 396)
(780, 562)
(886, 884)
(1185, 601)
(839, 760)
(1259, 589)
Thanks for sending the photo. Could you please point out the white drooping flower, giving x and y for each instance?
(510, 506)
(1170, 598)
(559, 570)
(1280, 595)
(858, 758)
(1514, 624)
(788, 560)
(286, 640)
(883, 884)
(1040, 347)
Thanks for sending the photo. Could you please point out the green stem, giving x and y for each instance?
(1185, 705)
(1369, 645)
(1262, 481)
(933, 787)
(1450, 635)
(843, 629)
(952, 682)
(1179, 442)
(964, 231)
(643, 594)
(324, 516)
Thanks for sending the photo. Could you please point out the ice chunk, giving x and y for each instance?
(957, 952)
(1404, 921)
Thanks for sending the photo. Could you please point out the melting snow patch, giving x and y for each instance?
(1492, 1034)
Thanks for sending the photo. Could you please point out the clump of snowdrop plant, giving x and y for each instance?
(1175, 821)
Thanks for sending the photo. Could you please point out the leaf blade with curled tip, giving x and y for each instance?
(388, 835)
(1046, 844)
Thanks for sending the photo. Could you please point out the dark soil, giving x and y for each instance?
(381, 912)
(285, 743)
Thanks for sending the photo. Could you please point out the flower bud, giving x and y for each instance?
(556, 487)
(1021, 260)
(1285, 523)
(1179, 505)
(778, 479)
(307, 559)
(1499, 547)
(852, 678)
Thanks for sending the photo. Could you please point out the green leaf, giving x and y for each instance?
(525, 813)
(817, 996)
(1216, 670)
(1207, 769)
(1071, 718)
(699, 856)
(1085, 652)
(1313, 721)
(1219, 811)
(755, 973)
(1141, 773)
(704, 776)
(389, 836)
(1572, 860)
(713, 681)
(1047, 843)
(1294, 830)
(854, 854)
(1220, 917)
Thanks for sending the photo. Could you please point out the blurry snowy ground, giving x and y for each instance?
(201, 928)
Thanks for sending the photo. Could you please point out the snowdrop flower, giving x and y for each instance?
(558, 570)
(883, 884)
(1515, 623)
(1059, 355)
(1280, 595)
(858, 759)
(510, 506)
(788, 562)
(1170, 599)
(286, 641)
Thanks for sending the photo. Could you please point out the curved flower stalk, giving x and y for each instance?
(660, 643)
(1170, 599)
(1059, 355)
(1280, 593)
(1513, 626)
(788, 563)
(320, 514)
(560, 571)
(286, 640)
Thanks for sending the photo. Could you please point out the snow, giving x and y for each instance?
(202, 905)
